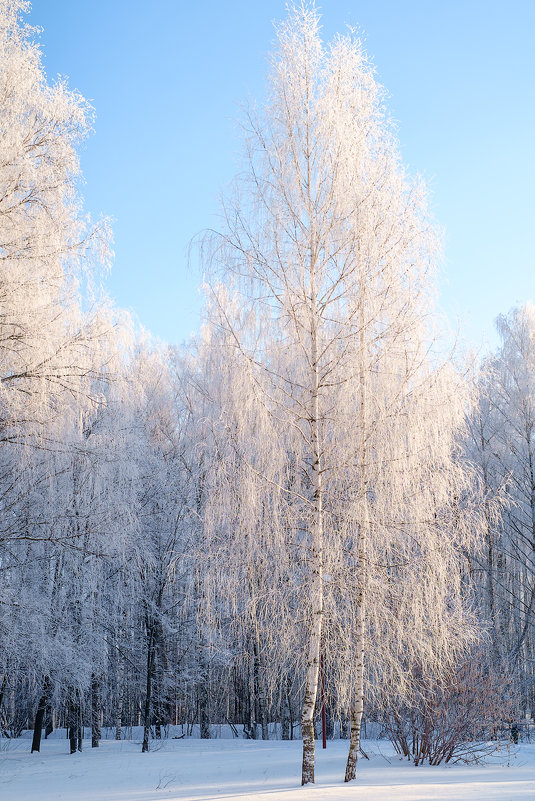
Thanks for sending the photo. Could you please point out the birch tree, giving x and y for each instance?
(503, 447)
(247, 580)
(327, 252)
(46, 342)
(43, 236)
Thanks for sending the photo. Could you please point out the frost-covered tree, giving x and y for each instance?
(43, 237)
(45, 340)
(246, 581)
(502, 445)
(183, 536)
(164, 547)
(330, 253)
(88, 486)
(47, 345)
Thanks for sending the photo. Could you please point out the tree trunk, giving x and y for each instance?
(148, 693)
(260, 705)
(323, 710)
(72, 733)
(285, 713)
(358, 704)
(329, 723)
(3, 689)
(118, 717)
(161, 700)
(49, 727)
(362, 567)
(119, 700)
(74, 723)
(309, 702)
(204, 713)
(290, 708)
(314, 641)
(40, 716)
(95, 712)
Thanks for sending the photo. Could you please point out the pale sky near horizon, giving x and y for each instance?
(167, 78)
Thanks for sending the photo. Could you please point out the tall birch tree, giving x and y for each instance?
(330, 252)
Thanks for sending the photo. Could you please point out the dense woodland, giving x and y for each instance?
(307, 493)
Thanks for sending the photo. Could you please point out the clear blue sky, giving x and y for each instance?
(167, 77)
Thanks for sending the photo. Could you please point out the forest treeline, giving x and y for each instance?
(306, 494)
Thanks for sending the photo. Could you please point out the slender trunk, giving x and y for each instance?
(95, 712)
(290, 707)
(285, 713)
(309, 703)
(251, 698)
(148, 692)
(316, 452)
(260, 700)
(323, 713)
(329, 721)
(358, 703)
(74, 724)
(203, 685)
(119, 701)
(3, 689)
(162, 712)
(316, 594)
(157, 695)
(118, 710)
(361, 566)
(203, 700)
(40, 715)
(72, 729)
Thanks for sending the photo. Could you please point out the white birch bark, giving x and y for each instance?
(316, 569)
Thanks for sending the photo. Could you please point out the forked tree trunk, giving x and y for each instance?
(40, 715)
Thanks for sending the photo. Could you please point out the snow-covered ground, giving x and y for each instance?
(199, 770)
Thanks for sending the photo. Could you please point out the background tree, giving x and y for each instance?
(502, 445)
